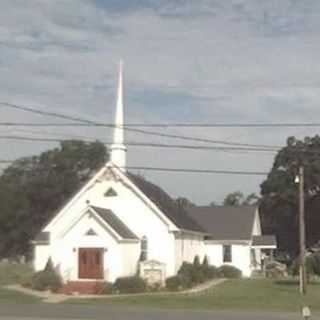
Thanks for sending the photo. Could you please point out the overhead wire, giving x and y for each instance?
(184, 170)
(142, 144)
(125, 127)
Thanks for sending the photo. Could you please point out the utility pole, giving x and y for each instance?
(302, 237)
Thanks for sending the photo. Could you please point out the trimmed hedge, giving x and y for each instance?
(175, 283)
(133, 284)
(211, 272)
(227, 271)
(191, 274)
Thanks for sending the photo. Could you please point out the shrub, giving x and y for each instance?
(227, 271)
(154, 287)
(205, 262)
(195, 273)
(211, 272)
(312, 264)
(175, 283)
(309, 263)
(133, 284)
(186, 273)
(46, 280)
(316, 265)
(106, 288)
(275, 269)
(196, 262)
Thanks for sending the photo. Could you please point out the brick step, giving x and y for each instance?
(81, 287)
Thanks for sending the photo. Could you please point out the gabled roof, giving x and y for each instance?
(225, 222)
(264, 241)
(166, 204)
(115, 223)
(43, 237)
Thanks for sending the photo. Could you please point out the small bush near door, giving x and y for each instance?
(129, 285)
(46, 280)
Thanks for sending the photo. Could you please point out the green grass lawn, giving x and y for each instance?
(11, 274)
(11, 296)
(268, 295)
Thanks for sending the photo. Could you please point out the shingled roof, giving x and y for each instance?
(166, 204)
(115, 223)
(264, 240)
(225, 222)
(43, 237)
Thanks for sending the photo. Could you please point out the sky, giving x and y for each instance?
(190, 61)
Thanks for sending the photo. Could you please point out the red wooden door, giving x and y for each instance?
(90, 263)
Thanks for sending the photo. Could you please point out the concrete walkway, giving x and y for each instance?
(50, 297)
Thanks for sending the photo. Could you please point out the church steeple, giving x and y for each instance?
(118, 149)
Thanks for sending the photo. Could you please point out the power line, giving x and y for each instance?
(153, 133)
(45, 113)
(185, 170)
(166, 125)
(143, 144)
(238, 150)
(87, 122)
(90, 122)
(231, 172)
(129, 127)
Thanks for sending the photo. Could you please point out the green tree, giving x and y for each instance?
(33, 188)
(251, 199)
(234, 199)
(237, 198)
(184, 202)
(279, 202)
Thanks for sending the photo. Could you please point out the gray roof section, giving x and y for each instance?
(225, 222)
(115, 223)
(264, 240)
(43, 236)
(166, 204)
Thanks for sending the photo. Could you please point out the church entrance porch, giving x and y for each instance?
(90, 263)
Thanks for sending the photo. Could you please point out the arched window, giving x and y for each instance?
(144, 248)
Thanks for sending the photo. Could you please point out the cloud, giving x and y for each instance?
(185, 61)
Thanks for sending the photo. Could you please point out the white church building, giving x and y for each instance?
(119, 223)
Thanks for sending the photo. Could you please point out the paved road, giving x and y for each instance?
(81, 312)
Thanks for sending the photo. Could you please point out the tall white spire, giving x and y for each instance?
(118, 149)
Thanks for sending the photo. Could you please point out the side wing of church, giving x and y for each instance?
(118, 221)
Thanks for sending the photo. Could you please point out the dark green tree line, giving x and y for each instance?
(33, 188)
(279, 205)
